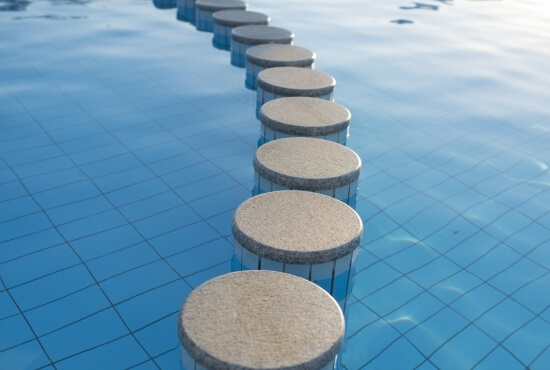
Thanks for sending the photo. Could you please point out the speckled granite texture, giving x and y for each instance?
(206, 8)
(307, 163)
(295, 81)
(305, 116)
(235, 18)
(280, 55)
(261, 320)
(297, 227)
(255, 35)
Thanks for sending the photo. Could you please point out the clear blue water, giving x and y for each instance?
(126, 143)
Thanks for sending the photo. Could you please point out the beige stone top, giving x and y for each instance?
(294, 226)
(261, 320)
(307, 163)
(278, 55)
(305, 116)
(295, 81)
(215, 5)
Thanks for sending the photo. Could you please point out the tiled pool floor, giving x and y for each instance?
(126, 143)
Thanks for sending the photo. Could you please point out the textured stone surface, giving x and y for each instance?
(235, 18)
(261, 320)
(295, 81)
(278, 55)
(305, 116)
(255, 35)
(295, 226)
(215, 5)
(307, 163)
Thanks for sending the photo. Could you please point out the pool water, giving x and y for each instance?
(126, 143)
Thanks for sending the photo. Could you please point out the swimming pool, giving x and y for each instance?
(126, 143)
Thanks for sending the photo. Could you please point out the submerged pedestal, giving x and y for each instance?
(186, 11)
(245, 36)
(206, 8)
(260, 320)
(299, 116)
(226, 20)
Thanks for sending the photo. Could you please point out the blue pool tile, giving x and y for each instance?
(499, 358)
(18, 332)
(465, 200)
(202, 257)
(427, 179)
(427, 365)
(143, 129)
(32, 266)
(436, 330)
(392, 297)
(33, 155)
(455, 286)
(433, 272)
(412, 258)
(205, 275)
(507, 225)
(150, 206)
(27, 355)
(541, 254)
(366, 208)
(55, 112)
(380, 225)
(207, 187)
(65, 121)
(97, 154)
(7, 306)
(127, 349)
(149, 365)
(22, 226)
(169, 360)
(54, 179)
(220, 202)
(18, 207)
(74, 211)
(177, 162)
(91, 225)
(504, 319)
(137, 192)
(121, 121)
(106, 242)
(536, 207)
(67, 194)
(161, 336)
(7, 175)
(542, 361)
(214, 137)
(77, 131)
(377, 183)
(167, 221)
(517, 195)
(123, 179)
(113, 111)
(84, 335)
(357, 317)
(409, 208)
(496, 260)
(414, 312)
(51, 287)
(88, 142)
(472, 249)
(229, 148)
(161, 302)
(19, 131)
(529, 295)
(373, 278)
(28, 244)
(27, 142)
(530, 341)
(43, 166)
(390, 195)
(364, 259)
(518, 275)
(169, 111)
(183, 239)
(120, 261)
(532, 237)
(138, 280)
(66, 310)
(148, 140)
(162, 151)
(367, 344)
(191, 174)
(401, 354)
(485, 212)
(477, 301)
(222, 222)
(458, 353)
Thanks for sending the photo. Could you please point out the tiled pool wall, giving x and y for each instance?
(110, 204)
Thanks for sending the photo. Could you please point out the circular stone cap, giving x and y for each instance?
(214, 5)
(307, 163)
(254, 35)
(298, 227)
(261, 320)
(295, 81)
(234, 18)
(304, 116)
(277, 55)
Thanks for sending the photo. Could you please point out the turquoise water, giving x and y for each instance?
(126, 143)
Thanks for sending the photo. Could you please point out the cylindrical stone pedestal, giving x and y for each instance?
(260, 57)
(186, 11)
(260, 320)
(226, 20)
(206, 8)
(302, 233)
(302, 163)
(245, 36)
(165, 4)
(279, 82)
(299, 116)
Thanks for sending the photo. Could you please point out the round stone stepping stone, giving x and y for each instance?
(186, 11)
(226, 20)
(260, 57)
(206, 8)
(245, 36)
(278, 82)
(300, 116)
(260, 320)
(304, 163)
(299, 232)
